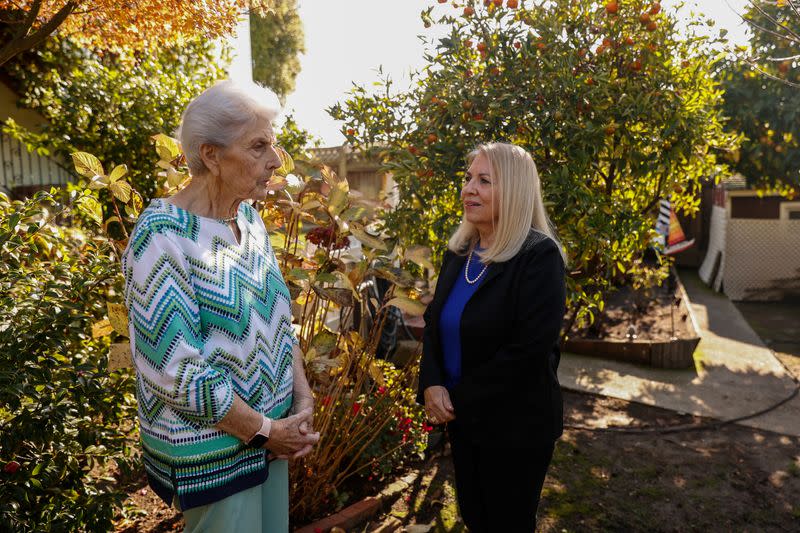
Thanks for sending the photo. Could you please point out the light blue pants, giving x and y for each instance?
(261, 509)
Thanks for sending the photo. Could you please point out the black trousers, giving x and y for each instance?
(498, 488)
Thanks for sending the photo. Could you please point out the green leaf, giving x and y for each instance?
(87, 165)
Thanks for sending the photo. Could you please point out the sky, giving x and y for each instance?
(348, 40)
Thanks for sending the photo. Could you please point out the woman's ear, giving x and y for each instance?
(210, 155)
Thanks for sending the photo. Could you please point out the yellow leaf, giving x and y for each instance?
(118, 316)
(407, 305)
(121, 191)
(175, 178)
(118, 172)
(287, 163)
(98, 182)
(337, 199)
(90, 207)
(87, 165)
(376, 373)
(366, 239)
(167, 148)
(119, 356)
(420, 255)
(101, 329)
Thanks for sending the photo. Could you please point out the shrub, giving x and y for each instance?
(64, 417)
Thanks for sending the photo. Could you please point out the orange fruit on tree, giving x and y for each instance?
(644, 18)
(481, 47)
(612, 7)
(466, 104)
(607, 42)
(351, 131)
(652, 26)
(629, 40)
(517, 45)
(497, 3)
(468, 43)
(636, 65)
(512, 4)
(541, 46)
(610, 130)
(783, 67)
(442, 1)
(468, 11)
(432, 138)
(655, 9)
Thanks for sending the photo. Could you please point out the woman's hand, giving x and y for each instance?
(286, 438)
(438, 405)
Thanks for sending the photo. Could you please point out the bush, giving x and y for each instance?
(64, 417)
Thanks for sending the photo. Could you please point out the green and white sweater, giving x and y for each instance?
(209, 318)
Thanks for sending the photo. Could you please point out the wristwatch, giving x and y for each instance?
(262, 435)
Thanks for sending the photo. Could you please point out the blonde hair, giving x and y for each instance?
(517, 183)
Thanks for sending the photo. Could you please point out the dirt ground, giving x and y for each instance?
(731, 478)
(655, 314)
(727, 479)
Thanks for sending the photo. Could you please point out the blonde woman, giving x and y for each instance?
(491, 352)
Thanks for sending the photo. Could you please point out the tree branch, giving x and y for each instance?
(28, 20)
(20, 44)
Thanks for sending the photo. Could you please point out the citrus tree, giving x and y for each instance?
(762, 98)
(617, 107)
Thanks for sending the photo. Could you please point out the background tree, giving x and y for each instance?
(762, 99)
(617, 107)
(115, 26)
(111, 104)
(277, 39)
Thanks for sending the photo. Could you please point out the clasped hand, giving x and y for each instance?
(293, 437)
(438, 406)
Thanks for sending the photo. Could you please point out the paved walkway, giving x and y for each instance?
(735, 374)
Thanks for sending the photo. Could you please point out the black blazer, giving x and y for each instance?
(509, 392)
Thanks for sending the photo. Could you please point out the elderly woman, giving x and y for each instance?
(490, 349)
(223, 398)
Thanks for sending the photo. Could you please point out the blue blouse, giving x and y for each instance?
(450, 320)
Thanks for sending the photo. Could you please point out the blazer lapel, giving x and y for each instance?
(492, 272)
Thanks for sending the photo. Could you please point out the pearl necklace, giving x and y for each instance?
(229, 219)
(466, 270)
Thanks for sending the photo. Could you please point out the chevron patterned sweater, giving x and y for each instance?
(209, 318)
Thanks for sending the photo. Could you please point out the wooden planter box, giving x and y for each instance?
(676, 353)
(664, 354)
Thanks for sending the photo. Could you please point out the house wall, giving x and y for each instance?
(23, 172)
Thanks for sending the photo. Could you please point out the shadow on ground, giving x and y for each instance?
(730, 479)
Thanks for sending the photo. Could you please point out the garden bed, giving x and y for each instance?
(654, 327)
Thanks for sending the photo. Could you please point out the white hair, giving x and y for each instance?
(220, 115)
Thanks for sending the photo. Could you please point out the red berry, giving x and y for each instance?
(11, 467)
